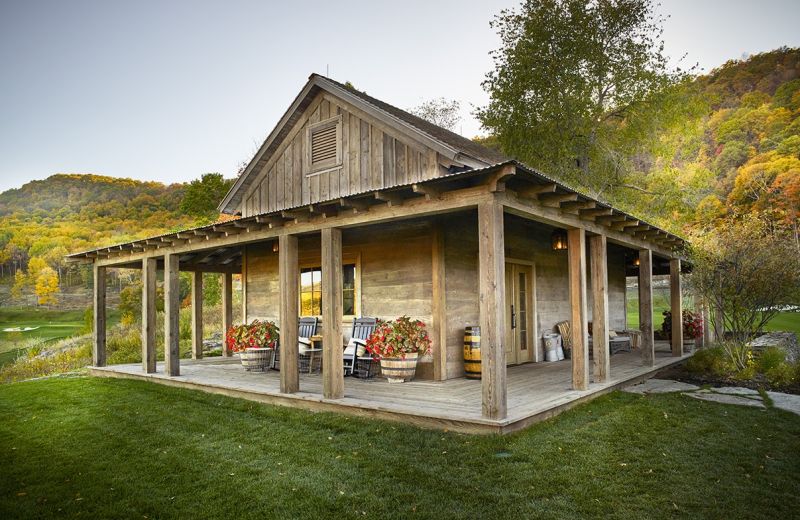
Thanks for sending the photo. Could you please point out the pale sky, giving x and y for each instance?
(169, 90)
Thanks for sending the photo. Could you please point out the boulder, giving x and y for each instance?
(786, 341)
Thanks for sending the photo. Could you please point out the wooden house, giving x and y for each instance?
(381, 213)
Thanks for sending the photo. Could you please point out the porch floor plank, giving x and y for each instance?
(536, 391)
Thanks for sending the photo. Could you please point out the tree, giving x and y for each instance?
(441, 112)
(202, 195)
(748, 270)
(578, 86)
(46, 286)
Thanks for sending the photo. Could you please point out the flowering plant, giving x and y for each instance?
(259, 334)
(398, 338)
(692, 324)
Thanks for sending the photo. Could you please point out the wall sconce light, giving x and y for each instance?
(275, 247)
(559, 240)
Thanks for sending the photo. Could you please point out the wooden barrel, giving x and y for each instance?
(397, 370)
(472, 352)
(257, 359)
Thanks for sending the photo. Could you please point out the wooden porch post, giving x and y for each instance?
(171, 314)
(197, 315)
(332, 364)
(289, 281)
(599, 269)
(676, 306)
(149, 315)
(227, 310)
(438, 306)
(99, 318)
(576, 252)
(492, 281)
(646, 306)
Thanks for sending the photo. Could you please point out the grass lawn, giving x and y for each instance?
(104, 448)
(53, 324)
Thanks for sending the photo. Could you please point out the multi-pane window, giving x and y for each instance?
(311, 290)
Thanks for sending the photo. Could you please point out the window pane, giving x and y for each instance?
(348, 303)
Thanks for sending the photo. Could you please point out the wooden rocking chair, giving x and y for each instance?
(362, 329)
(306, 328)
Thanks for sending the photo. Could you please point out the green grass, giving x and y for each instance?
(785, 321)
(53, 325)
(104, 448)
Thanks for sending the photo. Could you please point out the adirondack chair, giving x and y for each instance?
(362, 329)
(306, 328)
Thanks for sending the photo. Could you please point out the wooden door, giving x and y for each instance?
(520, 334)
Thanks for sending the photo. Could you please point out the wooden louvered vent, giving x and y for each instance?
(324, 144)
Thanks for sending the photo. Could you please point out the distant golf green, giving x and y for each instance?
(47, 324)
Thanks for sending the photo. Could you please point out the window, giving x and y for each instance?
(311, 290)
(324, 144)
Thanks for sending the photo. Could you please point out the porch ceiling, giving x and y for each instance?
(522, 189)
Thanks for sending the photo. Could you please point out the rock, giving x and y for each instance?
(660, 386)
(727, 399)
(786, 341)
(788, 402)
(737, 390)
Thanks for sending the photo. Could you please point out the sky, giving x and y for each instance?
(170, 90)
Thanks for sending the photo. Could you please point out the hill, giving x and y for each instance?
(736, 150)
(44, 220)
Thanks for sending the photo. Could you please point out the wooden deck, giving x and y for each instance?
(535, 391)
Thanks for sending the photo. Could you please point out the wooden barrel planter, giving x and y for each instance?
(472, 352)
(397, 370)
(257, 359)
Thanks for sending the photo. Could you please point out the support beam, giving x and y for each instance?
(576, 251)
(171, 315)
(492, 267)
(149, 315)
(438, 305)
(599, 269)
(227, 310)
(676, 306)
(197, 315)
(646, 306)
(289, 281)
(332, 367)
(99, 317)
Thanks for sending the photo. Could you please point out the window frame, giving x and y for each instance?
(347, 259)
(328, 164)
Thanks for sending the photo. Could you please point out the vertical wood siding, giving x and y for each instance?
(373, 157)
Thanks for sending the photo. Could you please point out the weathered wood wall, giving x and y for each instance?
(396, 276)
(525, 241)
(395, 273)
(373, 157)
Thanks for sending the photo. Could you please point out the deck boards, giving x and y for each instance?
(535, 391)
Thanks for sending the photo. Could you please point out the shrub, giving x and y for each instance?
(708, 361)
(66, 355)
(124, 345)
(782, 374)
(770, 359)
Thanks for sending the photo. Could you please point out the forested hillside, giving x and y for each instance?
(44, 220)
(735, 151)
